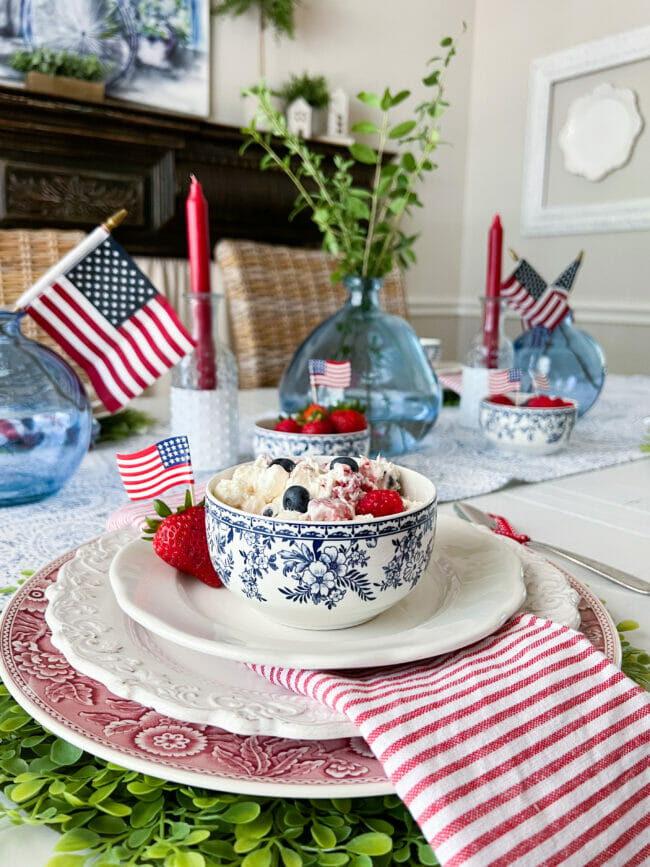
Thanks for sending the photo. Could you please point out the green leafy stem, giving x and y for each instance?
(361, 227)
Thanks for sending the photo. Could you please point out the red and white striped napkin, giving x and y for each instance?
(134, 514)
(526, 748)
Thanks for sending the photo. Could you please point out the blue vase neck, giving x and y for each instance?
(364, 291)
(10, 325)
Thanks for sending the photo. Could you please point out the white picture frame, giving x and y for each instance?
(537, 218)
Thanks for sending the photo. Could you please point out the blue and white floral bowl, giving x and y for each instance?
(533, 430)
(322, 575)
(280, 444)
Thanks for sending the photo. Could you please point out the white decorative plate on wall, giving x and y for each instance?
(600, 131)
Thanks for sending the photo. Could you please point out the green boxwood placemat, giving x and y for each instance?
(121, 817)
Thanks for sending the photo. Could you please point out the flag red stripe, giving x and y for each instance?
(49, 300)
(181, 474)
(167, 344)
(110, 401)
(144, 453)
(138, 383)
(142, 326)
(172, 324)
(148, 475)
(163, 486)
(135, 335)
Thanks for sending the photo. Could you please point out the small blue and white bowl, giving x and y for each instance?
(326, 575)
(280, 444)
(527, 429)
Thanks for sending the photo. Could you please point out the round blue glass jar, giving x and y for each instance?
(45, 417)
(391, 376)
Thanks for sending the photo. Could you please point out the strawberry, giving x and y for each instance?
(541, 401)
(348, 420)
(500, 398)
(288, 425)
(321, 426)
(380, 503)
(179, 539)
(313, 412)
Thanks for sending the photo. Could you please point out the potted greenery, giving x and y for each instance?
(363, 230)
(314, 90)
(62, 73)
(279, 15)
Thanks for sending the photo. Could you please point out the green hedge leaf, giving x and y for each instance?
(365, 127)
(372, 843)
(363, 153)
(63, 753)
(80, 838)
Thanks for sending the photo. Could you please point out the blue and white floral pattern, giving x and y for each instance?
(320, 575)
(411, 559)
(324, 573)
(521, 428)
(280, 444)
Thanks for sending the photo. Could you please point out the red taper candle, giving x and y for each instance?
(492, 291)
(198, 250)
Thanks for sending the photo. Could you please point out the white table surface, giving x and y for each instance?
(603, 513)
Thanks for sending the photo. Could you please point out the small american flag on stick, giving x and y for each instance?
(332, 374)
(540, 382)
(109, 318)
(503, 381)
(535, 301)
(149, 472)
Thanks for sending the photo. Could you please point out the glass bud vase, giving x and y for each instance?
(489, 349)
(391, 375)
(203, 395)
(45, 417)
(570, 359)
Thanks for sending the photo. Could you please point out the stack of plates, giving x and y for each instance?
(144, 666)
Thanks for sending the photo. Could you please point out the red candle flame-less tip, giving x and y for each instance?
(198, 249)
(492, 291)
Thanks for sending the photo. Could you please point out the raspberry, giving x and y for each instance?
(288, 425)
(380, 503)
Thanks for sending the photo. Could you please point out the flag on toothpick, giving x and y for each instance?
(503, 381)
(536, 302)
(453, 380)
(333, 374)
(540, 382)
(149, 472)
(108, 317)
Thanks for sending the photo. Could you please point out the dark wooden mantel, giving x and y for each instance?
(68, 165)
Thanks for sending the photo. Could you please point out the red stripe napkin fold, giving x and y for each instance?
(528, 747)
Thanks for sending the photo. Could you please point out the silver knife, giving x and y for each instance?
(631, 582)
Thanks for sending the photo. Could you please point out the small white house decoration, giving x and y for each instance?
(299, 118)
(337, 115)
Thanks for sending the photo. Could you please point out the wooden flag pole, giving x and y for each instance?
(70, 259)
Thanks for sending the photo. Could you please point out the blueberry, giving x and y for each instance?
(296, 499)
(269, 511)
(285, 463)
(349, 462)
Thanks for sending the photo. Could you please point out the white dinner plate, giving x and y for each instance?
(474, 583)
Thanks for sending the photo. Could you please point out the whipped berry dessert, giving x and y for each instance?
(316, 489)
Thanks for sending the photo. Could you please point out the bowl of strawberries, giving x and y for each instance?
(537, 424)
(315, 430)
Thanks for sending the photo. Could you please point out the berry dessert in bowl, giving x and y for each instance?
(316, 430)
(532, 423)
(320, 542)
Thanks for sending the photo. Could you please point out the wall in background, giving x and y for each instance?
(366, 45)
(610, 296)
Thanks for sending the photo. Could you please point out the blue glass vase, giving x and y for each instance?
(45, 417)
(391, 376)
(571, 360)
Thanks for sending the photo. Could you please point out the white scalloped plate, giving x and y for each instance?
(474, 583)
(101, 641)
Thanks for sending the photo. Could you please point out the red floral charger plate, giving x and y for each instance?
(81, 710)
